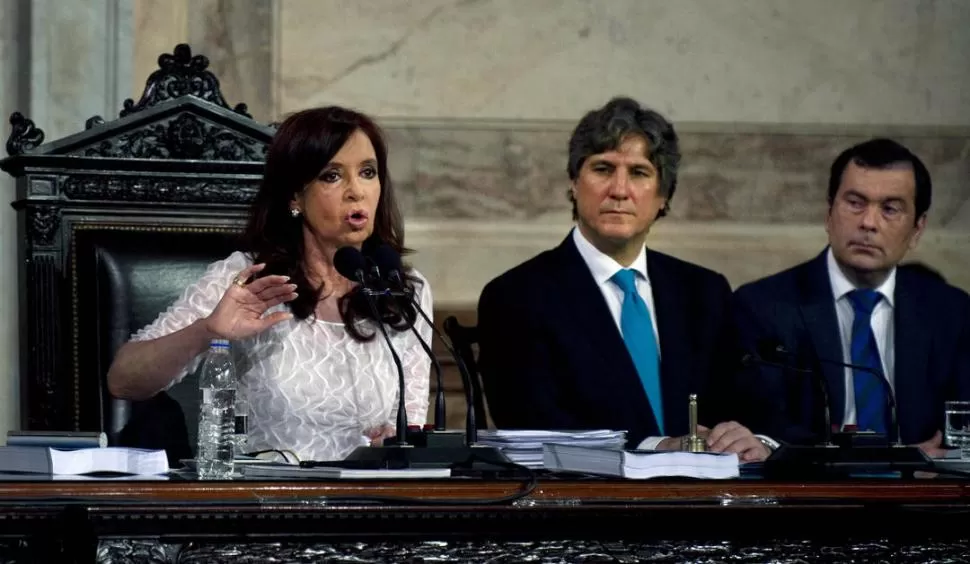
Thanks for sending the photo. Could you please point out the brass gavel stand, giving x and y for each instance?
(694, 442)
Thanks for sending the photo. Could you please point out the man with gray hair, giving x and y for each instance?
(601, 332)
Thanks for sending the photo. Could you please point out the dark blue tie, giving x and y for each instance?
(641, 341)
(870, 393)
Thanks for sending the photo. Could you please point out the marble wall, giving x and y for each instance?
(478, 98)
(12, 93)
(748, 204)
(840, 62)
(237, 37)
(752, 61)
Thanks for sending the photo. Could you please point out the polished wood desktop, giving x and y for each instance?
(463, 517)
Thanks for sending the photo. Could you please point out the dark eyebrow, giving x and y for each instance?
(338, 164)
(603, 160)
(889, 200)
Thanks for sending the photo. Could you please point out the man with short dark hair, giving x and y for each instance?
(908, 331)
(601, 332)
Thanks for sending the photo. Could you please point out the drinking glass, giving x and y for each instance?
(958, 426)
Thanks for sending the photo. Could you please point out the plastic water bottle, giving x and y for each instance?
(217, 422)
(241, 437)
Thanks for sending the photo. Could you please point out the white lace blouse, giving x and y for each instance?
(311, 388)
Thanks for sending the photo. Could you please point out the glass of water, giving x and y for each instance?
(958, 426)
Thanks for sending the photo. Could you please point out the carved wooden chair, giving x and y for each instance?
(114, 222)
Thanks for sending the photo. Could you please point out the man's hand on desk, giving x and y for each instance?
(933, 448)
(724, 437)
(732, 436)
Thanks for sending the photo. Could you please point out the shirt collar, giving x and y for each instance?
(841, 285)
(603, 266)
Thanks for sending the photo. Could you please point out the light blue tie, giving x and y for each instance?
(641, 341)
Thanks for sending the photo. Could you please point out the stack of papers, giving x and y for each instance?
(525, 446)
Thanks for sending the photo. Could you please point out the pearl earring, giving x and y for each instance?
(295, 212)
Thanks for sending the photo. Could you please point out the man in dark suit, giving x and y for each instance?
(909, 330)
(600, 332)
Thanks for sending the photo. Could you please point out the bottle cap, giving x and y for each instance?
(219, 343)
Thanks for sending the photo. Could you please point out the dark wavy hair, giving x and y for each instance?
(303, 145)
(605, 129)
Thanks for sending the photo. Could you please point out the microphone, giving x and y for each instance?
(389, 262)
(439, 399)
(811, 462)
(776, 350)
(350, 263)
(449, 449)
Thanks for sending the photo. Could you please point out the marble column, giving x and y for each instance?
(80, 61)
(60, 64)
(13, 95)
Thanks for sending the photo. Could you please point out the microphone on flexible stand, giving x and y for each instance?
(775, 351)
(853, 456)
(390, 262)
(449, 450)
(446, 448)
(439, 398)
(350, 263)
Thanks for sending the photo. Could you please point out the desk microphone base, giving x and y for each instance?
(396, 457)
(791, 462)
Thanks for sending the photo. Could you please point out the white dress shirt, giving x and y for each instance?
(882, 324)
(603, 267)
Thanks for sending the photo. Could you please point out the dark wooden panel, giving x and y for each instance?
(551, 490)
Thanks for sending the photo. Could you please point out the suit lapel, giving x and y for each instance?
(670, 303)
(912, 351)
(817, 310)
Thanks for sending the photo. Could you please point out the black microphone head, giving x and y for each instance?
(350, 263)
(772, 350)
(387, 260)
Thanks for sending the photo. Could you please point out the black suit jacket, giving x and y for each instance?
(551, 356)
(796, 308)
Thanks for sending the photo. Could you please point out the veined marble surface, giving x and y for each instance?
(755, 61)
(488, 173)
(749, 61)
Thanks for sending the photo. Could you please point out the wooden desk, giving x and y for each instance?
(459, 517)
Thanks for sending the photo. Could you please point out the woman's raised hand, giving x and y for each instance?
(240, 312)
